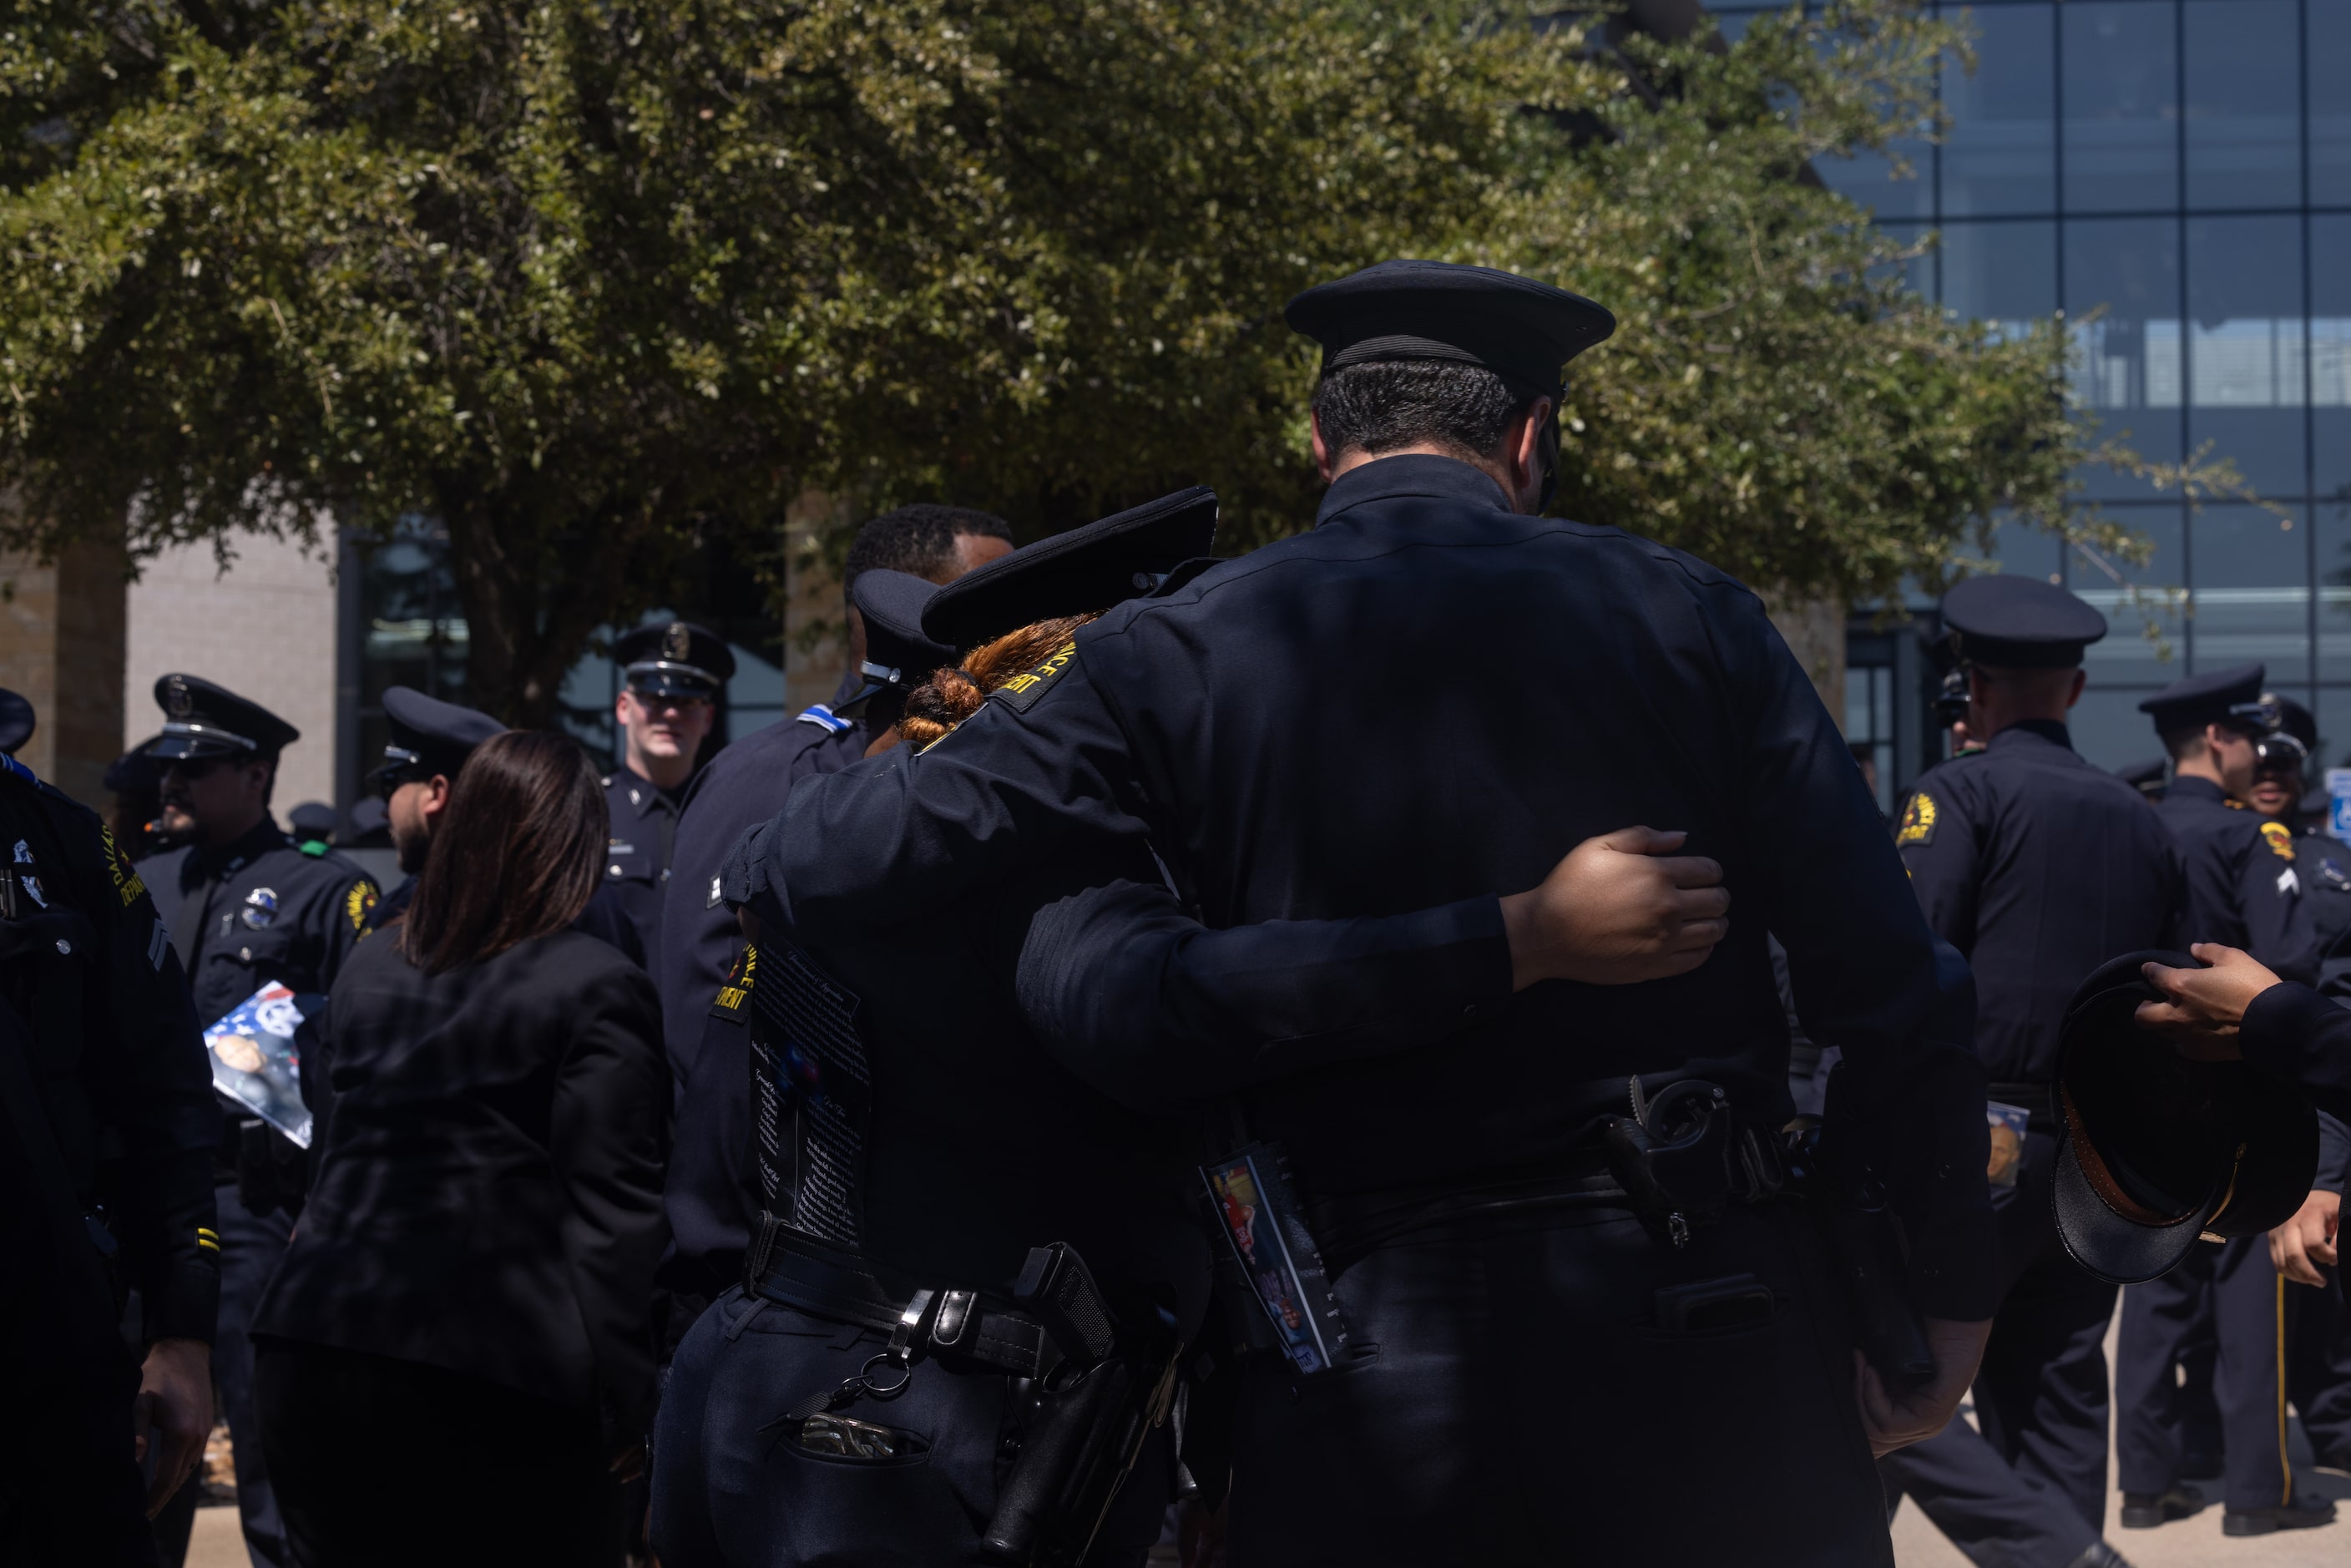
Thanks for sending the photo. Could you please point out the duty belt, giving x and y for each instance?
(796, 1272)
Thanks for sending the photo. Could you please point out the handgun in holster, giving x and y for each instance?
(1865, 1245)
(1091, 1415)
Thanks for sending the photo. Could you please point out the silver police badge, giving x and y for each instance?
(676, 643)
(26, 879)
(260, 909)
(178, 701)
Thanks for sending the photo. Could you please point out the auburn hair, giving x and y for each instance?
(951, 696)
(515, 855)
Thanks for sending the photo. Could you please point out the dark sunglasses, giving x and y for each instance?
(195, 768)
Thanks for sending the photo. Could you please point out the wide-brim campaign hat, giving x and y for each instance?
(2156, 1150)
(1088, 568)
(899, 655)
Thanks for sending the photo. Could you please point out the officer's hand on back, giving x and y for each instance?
(173, 1413)
(1620, 908)
(2205, 1005)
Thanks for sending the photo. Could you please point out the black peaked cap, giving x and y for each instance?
(2019, 623)
(2298, 722)
(2156, 1150)
(2234, 693)
(16, 720)
(1088, 568)
(897, 654)
(368, 815)
(674, 658)
(312, 820)
(136, 769)
(429, 733)
(1522, 331)
(203, 718)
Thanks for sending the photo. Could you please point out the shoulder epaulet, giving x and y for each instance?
(823, 718)
(1184, 572)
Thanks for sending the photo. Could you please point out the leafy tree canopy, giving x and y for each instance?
(596, 281)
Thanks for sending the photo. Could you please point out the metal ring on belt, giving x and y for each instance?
(793, 1273)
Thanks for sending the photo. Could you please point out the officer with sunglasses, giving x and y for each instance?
(2249, 884)
(244, 907)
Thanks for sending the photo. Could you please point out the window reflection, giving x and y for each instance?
(2245, 109)
(2330, 354)
(2252, 602)
(2000, 272)
(2246, 346)
(2121, 106)
(2127, 367)
(2326, 74)
(2001, 156)
(2125, 594)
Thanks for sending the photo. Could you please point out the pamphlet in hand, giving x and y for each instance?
(254, 1061)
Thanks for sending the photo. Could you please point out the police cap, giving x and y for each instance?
(136, 769)
(202, 718)
(429, 735)
(1089, 567)
(897, 653)
(2148, 777)
(674, 658)
(312, 822)
(2232, 695)
(368, 817)
(15, 721)
(2019, 623)
(2298, 722)
(1522, 331)
(2156, 1150)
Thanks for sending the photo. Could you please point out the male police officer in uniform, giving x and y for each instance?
(672, 673)
(712, 1203)
(2038, 867)
(1526, 1369)
(107, 1134)
(248, 907)
(2246, 889)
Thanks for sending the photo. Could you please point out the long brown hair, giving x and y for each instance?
(951, 696)
(515, 855)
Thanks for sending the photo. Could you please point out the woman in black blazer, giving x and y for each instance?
(456, 1353)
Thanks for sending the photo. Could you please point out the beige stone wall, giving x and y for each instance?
(265, 628)
(1814, 631)
(814, 611)
(61, 649)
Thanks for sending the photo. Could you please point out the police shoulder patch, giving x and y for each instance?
(1021, 691)
(735, 992)
(358, 907)
(2280, 838)
(1918, 816)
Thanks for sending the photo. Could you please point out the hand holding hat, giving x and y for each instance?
(2205, 1005)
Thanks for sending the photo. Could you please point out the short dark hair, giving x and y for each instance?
(516, 855)
(919, 540)
(1382, 404)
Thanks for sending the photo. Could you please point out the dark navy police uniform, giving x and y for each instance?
(243, 914)
(2247, 887)
(1584, 679)
(2038, 867)
(107, 1131)
(910, 1135)
(708, 1191)
(673, 659)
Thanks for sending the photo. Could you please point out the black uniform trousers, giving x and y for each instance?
(2318, 1367)
(1509, 1396)
(729, 1494)
(2026, 1486)
(383, 1463)
(2248, 1304)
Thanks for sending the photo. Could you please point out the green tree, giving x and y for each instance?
(596, 282)
(590, 281)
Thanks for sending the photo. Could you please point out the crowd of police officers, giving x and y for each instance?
(1156, 1045)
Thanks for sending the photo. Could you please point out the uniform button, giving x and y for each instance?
(245, 954)
(65, 946)
(614, 870)
(1469, 1010)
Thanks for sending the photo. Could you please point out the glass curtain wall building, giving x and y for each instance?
(2175, 175)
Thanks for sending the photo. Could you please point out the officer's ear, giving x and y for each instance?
(2073, 692)
(1322, 463)
(435, 798)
